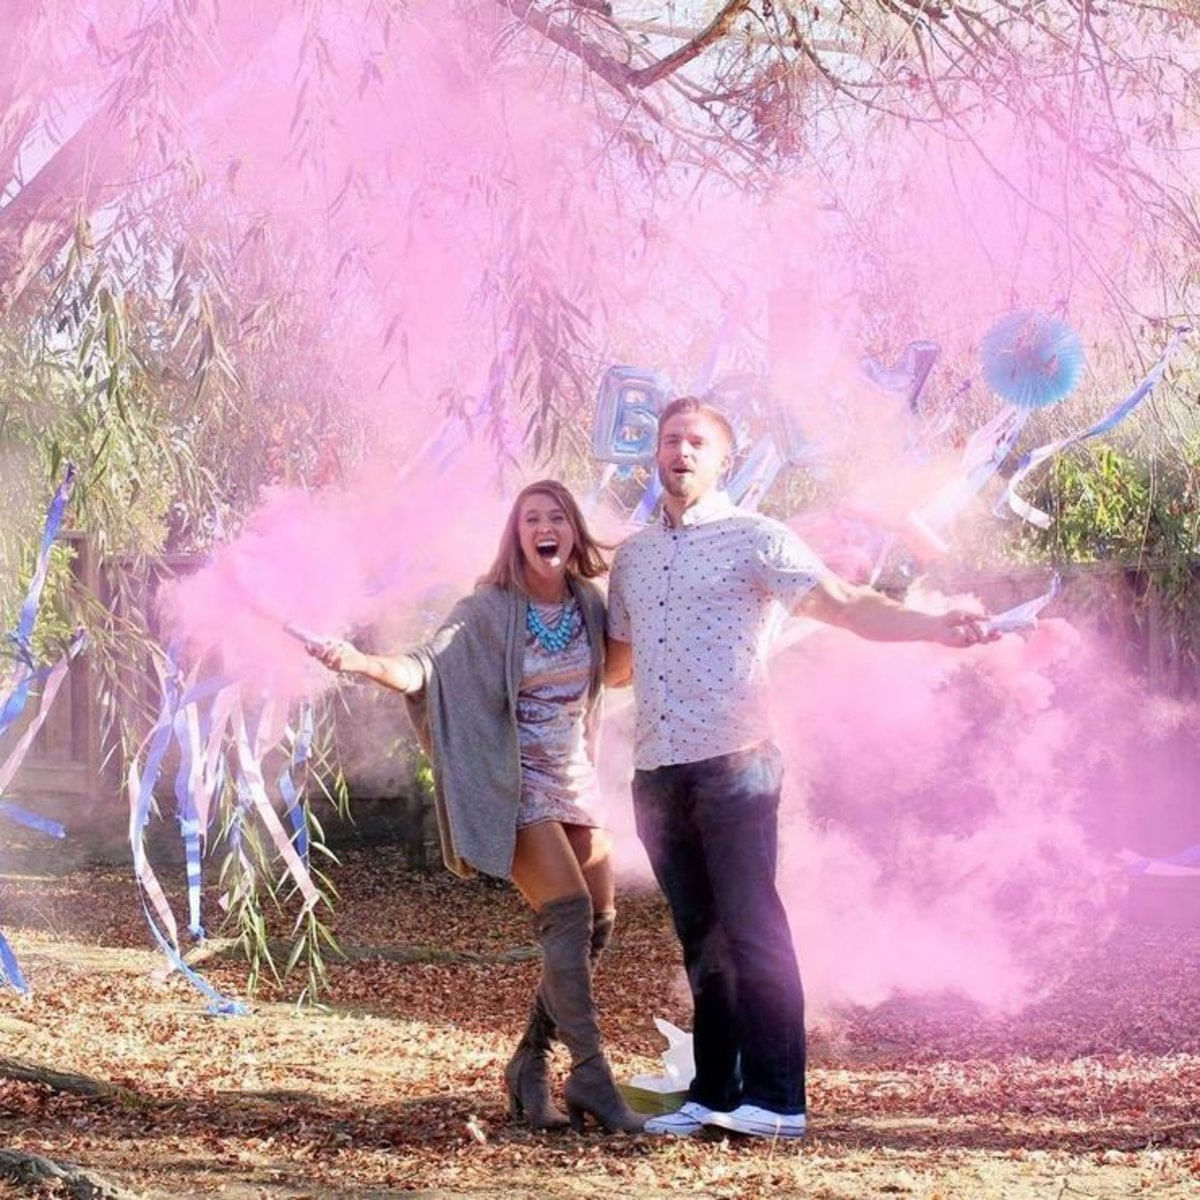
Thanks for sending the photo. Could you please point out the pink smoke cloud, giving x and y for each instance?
(937, 825)
(384, 551)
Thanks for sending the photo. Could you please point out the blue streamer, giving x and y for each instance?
(986, 450)
(159, 740)
(205, 689)
(10, 969)
(190, 829)
(31, 820)
(14, 703)
(908, 376)
(219, 1005)
(189, 822)
(54, 520)
(241, 784)
(28, 674)
(287, 785)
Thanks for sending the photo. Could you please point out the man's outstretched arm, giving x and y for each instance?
(872, 615)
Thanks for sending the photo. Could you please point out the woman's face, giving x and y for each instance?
(547, 540)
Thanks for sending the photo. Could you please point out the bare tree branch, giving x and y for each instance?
(682, 33)
(614, 73)
(716, 29)
(618, 74)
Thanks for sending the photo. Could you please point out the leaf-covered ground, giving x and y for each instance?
(395, 1089)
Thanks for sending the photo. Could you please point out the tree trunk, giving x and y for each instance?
(32, 1170)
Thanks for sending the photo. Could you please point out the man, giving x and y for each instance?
(693, 603)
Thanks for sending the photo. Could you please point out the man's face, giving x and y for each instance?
(693, 454)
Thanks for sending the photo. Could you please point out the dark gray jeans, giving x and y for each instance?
(710, 829)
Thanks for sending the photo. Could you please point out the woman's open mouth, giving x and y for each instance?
(547, 550)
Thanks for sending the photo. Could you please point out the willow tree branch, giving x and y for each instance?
(614, 72)
(41, 216)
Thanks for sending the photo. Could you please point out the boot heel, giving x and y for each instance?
(577, 1117)
(591, 1089)
(529, 1092)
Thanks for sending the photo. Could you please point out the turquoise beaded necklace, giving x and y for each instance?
(557, 637)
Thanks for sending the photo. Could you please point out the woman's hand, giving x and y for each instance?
(399, 672)
(340, 656)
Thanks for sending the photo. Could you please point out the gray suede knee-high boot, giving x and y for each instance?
(603, 920)
(528, 1072)
(565, 930)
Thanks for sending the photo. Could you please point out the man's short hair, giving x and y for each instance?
(693, 404)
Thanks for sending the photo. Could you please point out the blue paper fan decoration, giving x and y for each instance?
(1031, 360)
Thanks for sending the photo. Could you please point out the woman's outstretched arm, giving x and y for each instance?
(399, 672)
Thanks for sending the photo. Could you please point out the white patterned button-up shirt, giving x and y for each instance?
(701, 603)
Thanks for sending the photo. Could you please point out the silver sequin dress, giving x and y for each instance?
(558, 780)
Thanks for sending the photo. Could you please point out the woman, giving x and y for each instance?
(505, 701)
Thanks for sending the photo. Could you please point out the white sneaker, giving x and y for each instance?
(759, 1122)
(687, 1121)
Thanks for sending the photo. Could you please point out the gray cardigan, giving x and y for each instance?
(466, 719)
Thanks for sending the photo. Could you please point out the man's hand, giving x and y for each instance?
(872, 615)
(960, 629)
